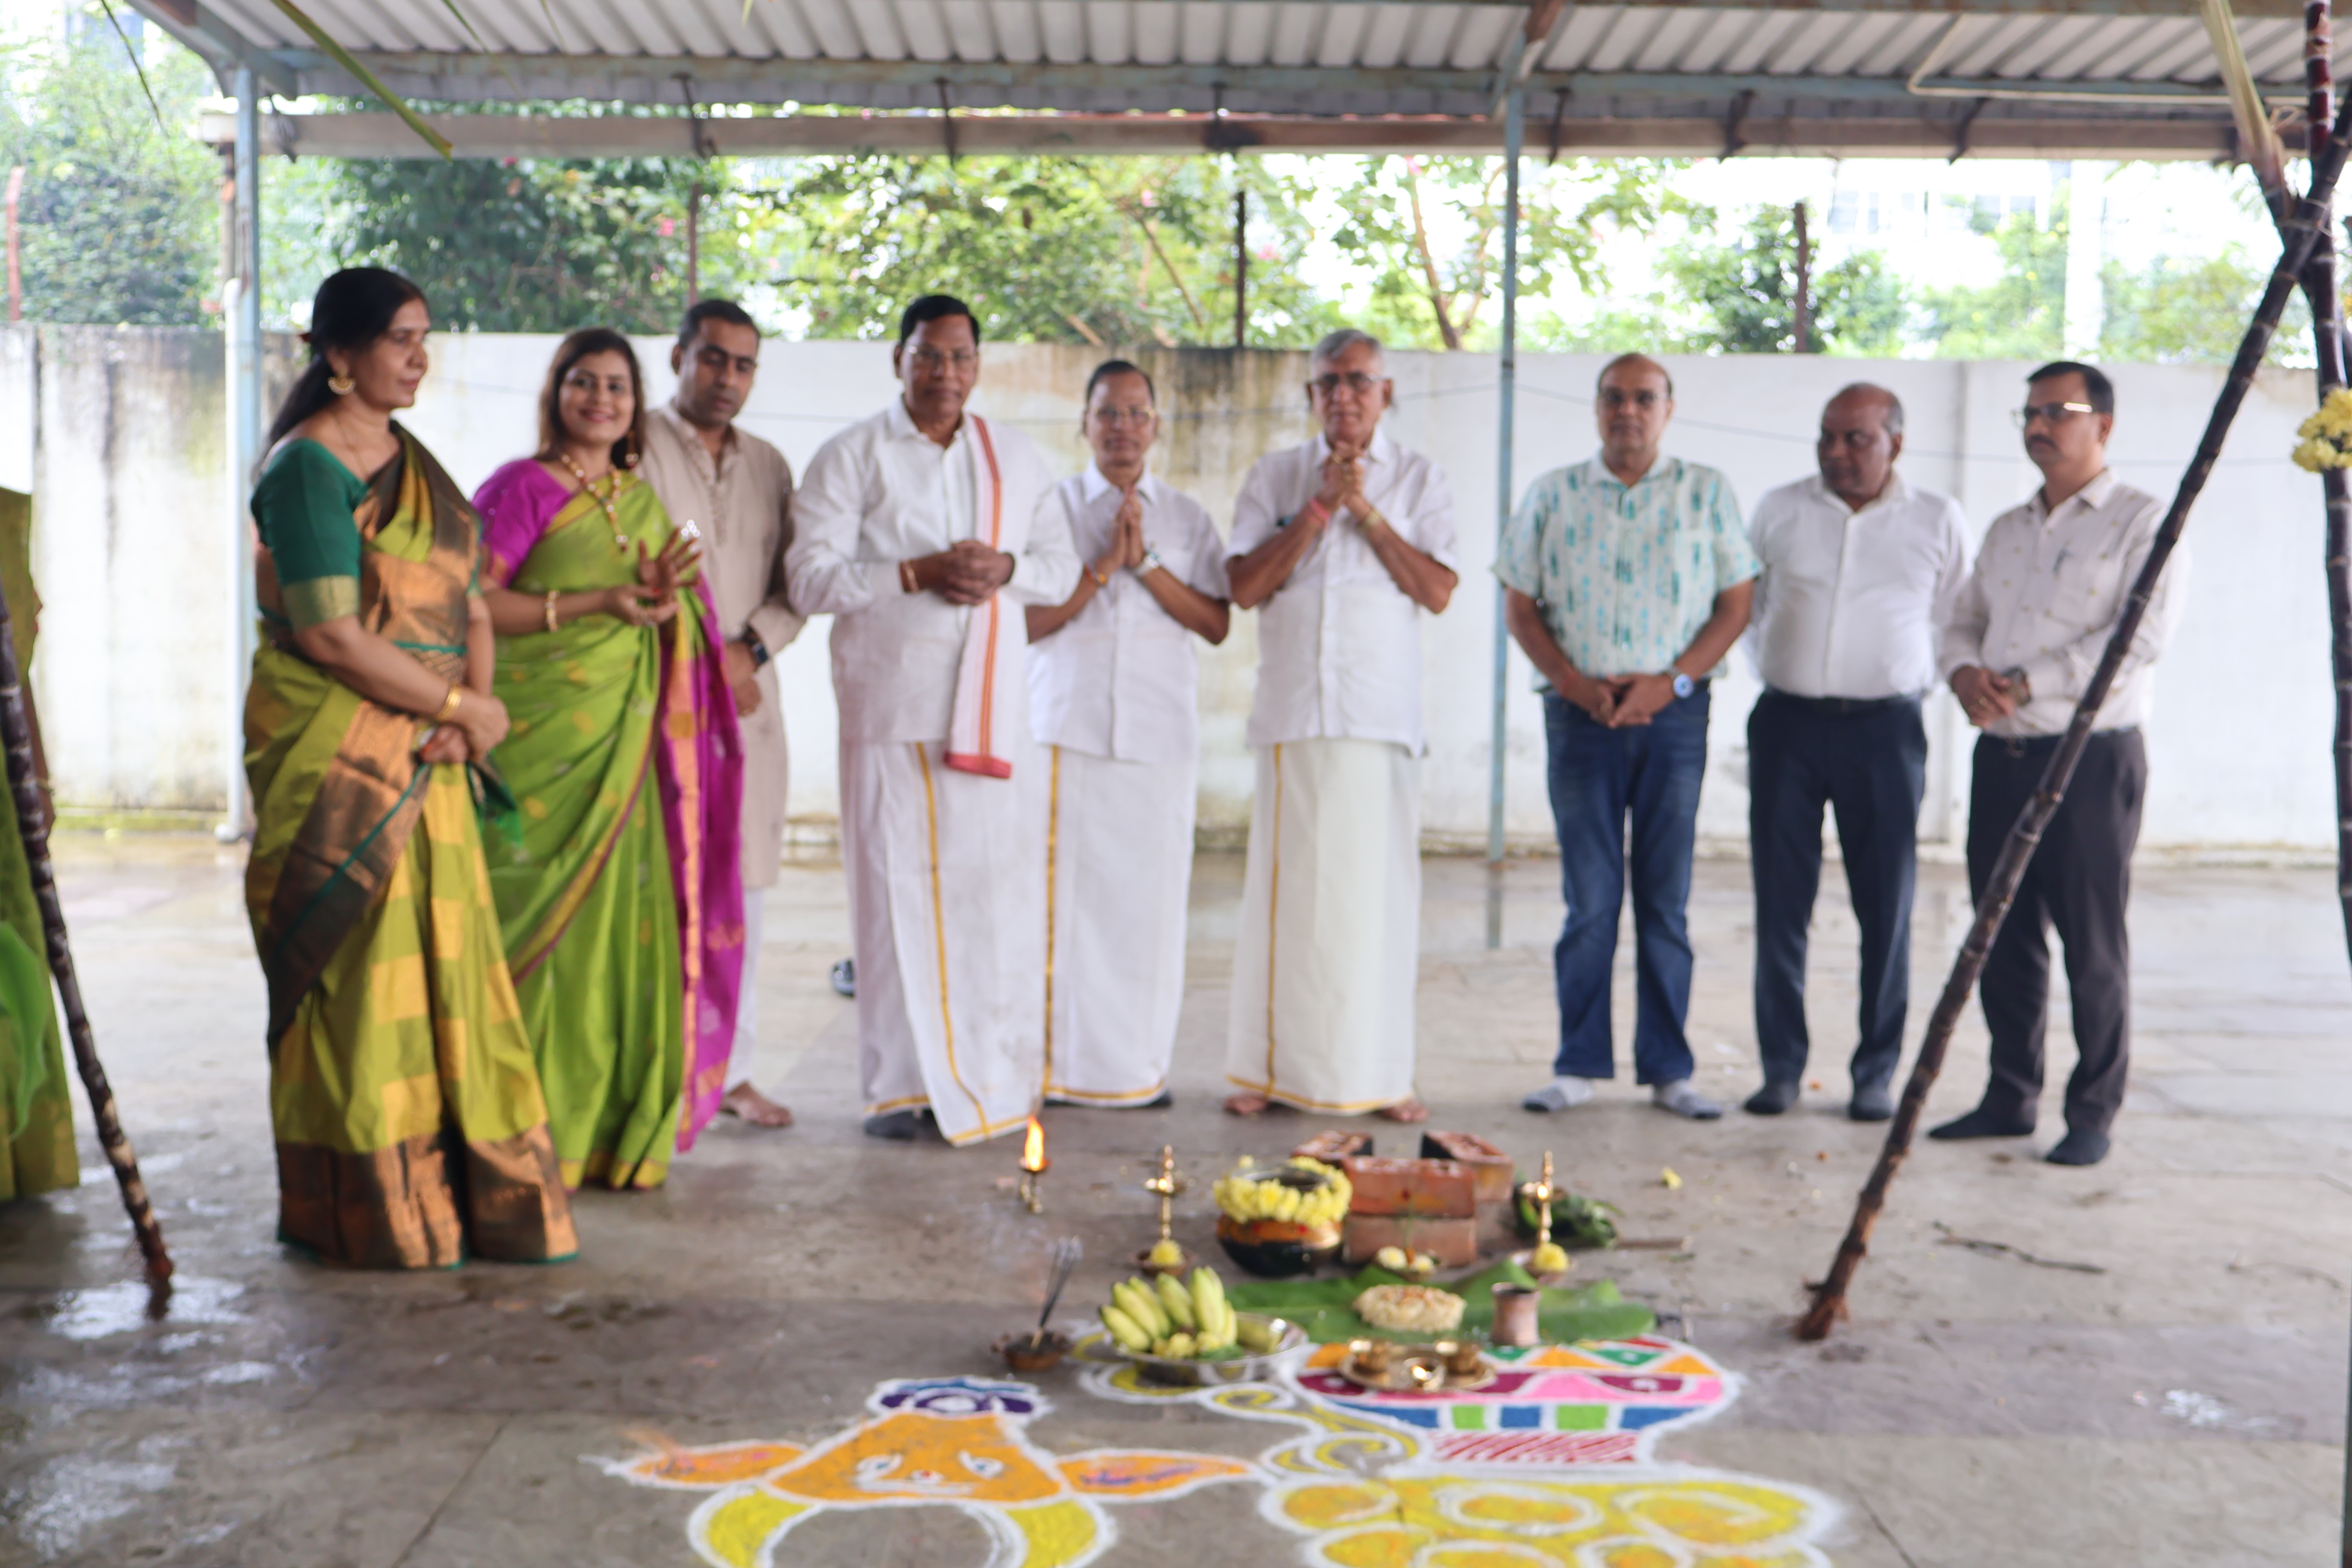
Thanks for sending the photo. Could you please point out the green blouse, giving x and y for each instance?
(303, 509)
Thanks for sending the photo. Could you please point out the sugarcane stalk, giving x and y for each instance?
(2301, 234)
(16, 735)
(2319, 285)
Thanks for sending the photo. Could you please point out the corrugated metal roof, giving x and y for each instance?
(1778, 60)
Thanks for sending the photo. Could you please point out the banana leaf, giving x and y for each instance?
(1325, 1310)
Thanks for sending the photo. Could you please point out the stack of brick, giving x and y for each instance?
(1420, 1206)
(1493, 1177)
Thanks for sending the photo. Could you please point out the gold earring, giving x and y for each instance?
(341, 385)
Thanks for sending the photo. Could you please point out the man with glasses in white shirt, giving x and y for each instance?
(2029, 628)
(1342, 542)
(1860, 567)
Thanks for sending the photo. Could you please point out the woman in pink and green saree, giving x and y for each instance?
(621, 892)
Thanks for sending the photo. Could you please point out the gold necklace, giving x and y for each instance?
(611, 513)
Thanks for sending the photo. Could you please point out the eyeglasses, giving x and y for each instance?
(1124, 415)
(1357, 381)
(588, 384)
(931, 360)
(2052, 412)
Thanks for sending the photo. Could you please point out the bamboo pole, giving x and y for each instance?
(2301, 234)
(17, 735)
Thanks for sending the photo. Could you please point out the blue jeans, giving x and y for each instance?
(1598, 776)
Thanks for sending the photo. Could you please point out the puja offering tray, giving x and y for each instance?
(1256, 1366)
(1454, 1364)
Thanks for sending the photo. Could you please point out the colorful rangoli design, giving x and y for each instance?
(1547, 1466)
(956, 1441)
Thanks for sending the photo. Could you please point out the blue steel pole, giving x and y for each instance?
(1514, 131)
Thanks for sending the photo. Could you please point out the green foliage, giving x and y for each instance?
(2020, 314)
(1046, 250)
(1398, 214)
(2181, 310)
(535, 245)
(1748, 289)
(120, 219)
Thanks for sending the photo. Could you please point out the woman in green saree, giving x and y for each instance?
(36, 1136)
(623, 897)
(411, 1127)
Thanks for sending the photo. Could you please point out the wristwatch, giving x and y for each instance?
(1150, 562)
(1684, 684)
(756, 649)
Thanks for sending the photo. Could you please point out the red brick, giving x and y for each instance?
(1491, 1170)
(1430, 1189)
(1453, 1242)
(1331, 1147)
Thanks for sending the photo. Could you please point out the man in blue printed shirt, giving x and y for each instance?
(1629, 577)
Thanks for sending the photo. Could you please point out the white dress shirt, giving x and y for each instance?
(882, 493)
(1120, 678)
(1339, 643)
(2045, 594)
(1849, 602)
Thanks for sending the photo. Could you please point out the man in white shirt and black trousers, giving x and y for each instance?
(2029, 626)
(1860, 567)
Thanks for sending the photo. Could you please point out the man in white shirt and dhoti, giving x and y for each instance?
(922, 530)
(738, 490)
(1343, 542)
(1113, 678)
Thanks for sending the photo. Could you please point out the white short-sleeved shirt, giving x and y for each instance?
(1121, 678)
(1339, 643)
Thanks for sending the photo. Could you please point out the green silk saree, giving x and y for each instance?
(621, 899)
(36, 1136)
(410, 1124)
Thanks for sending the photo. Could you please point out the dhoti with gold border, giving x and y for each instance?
(947, 912)
(1327, 952)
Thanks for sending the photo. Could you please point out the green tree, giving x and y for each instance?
(119, 220)
(2181, 311)
(2021, 313)
(535, 245)
(1748, 289)
(1427, 236)
(1047, 249)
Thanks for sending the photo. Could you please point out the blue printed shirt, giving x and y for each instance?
(1626, 574)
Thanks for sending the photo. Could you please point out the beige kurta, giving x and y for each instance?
(741, 503)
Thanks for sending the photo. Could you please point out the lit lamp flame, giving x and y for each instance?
(1032, 1166)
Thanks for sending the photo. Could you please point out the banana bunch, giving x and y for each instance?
(1244, 1196)
(1161, 1317)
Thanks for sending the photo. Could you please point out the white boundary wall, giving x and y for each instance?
(119, 430)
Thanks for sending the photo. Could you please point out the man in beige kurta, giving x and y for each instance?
(736, 488)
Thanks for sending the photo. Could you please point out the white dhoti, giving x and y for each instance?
(1326, 954)
(948, 917)
(1118, 869)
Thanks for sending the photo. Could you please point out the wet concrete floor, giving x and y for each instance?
(2182, 1404)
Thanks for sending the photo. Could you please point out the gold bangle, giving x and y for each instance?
(1101, 581)
(450, 704)
(548, 610)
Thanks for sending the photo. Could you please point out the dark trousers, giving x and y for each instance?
(1600, 777)
(1868, 763)
(2079, 881)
